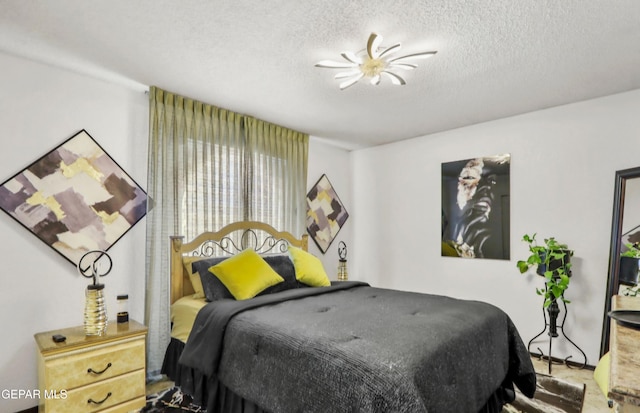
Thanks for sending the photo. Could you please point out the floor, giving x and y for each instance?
(594, 402)
(158, 386)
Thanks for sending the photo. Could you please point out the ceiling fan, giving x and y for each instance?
(375, 62)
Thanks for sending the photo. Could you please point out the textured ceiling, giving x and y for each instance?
(495, 58)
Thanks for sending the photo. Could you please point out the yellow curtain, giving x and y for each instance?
(209, 167)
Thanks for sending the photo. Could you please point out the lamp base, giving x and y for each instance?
(95, 312)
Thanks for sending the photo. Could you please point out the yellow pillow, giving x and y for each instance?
(601, 374)
(196, 283)
(246, 274)
(309, 269)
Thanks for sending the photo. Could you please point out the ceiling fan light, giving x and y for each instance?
(372, 63)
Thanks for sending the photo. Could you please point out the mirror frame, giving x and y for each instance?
(613, 284)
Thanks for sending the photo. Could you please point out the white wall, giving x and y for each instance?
(563, 162)
(40, 107)
(327, 158)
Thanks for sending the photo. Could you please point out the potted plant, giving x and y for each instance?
(629, 261)
(553, 261)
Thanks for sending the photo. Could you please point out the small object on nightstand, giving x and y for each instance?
(123, 312)
(342, 262)
(95, 312)
(58, 338)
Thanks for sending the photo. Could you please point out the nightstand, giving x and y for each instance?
(92, 373)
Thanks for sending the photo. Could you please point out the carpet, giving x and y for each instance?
(553, 395)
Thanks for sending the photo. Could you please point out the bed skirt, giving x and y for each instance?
(199, 387)
(223, 400)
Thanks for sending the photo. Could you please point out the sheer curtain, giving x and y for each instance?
(209, 167)
(276, 175)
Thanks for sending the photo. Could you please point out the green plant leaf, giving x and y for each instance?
(523, 267)
(557, 281)
(534, 259)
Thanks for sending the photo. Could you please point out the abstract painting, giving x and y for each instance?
(75, 198)
(325, 213)
(475, 207)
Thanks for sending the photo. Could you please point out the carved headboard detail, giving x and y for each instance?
(229, 240)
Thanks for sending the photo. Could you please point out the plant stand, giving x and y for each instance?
(551, 324)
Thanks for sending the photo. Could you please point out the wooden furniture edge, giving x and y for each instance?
(47, 348)
(621, 394)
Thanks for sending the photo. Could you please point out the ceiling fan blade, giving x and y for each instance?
(352, 57)
(395, 79)
(343, 75)
(351, 81)
(405, 66)
(422, 55)
(330, 64)
(390, 50)
(372, 45)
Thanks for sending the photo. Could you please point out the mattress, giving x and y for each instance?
(183, 314)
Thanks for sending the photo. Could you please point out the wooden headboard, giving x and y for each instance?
(233, 238)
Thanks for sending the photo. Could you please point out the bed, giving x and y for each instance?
(346, 346)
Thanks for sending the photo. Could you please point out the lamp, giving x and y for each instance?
(342, 262)
(374, 62)
(95, 311)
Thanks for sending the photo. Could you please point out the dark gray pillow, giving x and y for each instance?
(212, 286)
(283, 265)
(214, 289)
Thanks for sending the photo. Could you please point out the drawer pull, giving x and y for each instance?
(101, 401)
(90, 370)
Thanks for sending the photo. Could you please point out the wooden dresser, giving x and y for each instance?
(92, 373)
(624, 348)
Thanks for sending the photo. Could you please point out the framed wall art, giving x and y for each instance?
(476, 208)
(75, 198)
(326, 214)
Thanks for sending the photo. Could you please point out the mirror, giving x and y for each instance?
(625, 228)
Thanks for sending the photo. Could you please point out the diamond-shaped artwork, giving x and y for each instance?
(326, 214)
(75, 198)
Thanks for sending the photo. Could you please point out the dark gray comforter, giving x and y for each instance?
(355, 348)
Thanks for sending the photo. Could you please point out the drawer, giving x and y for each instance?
(123, 389)
(78, 368)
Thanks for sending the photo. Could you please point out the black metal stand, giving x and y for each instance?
(552, 325)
